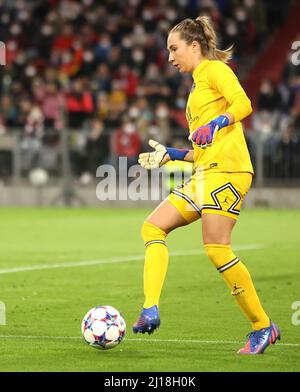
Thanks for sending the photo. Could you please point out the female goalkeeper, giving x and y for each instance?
(222, 177)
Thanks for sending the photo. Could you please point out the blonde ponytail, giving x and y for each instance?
(201, 30)
(212, 52)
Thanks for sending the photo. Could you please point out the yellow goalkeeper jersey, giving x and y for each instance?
(216, 90)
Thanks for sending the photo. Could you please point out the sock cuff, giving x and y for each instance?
(221, 255)
(151, 226)
(155, 242)
(228, 265)
(152, 234)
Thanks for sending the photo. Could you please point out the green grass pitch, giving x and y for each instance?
(202, 326)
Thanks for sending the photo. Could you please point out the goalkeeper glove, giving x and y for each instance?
(153, 160)
(204, 136)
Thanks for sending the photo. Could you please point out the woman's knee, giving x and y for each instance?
(151, 232)
(220, 254)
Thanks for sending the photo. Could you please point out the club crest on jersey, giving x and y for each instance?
(193, 87)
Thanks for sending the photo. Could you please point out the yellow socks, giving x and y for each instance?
(240, 283)
(156, 262)
(232, 269)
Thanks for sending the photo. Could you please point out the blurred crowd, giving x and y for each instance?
(276, 122)
(101, 68)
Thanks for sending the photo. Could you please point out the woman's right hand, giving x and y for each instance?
(155, 159)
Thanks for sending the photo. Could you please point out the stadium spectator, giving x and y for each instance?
(79, 102)
(162, 119)
(97, 146)
(51, 101)
(287, 158)
(8, 110)
(126, 142)
(143, 116)
(102, 79)
(269, 98)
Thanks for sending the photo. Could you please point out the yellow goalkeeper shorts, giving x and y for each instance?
(211, 193)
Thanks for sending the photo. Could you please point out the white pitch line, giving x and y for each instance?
(121, 259)
(150, 340)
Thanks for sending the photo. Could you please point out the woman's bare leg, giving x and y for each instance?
(167, 217)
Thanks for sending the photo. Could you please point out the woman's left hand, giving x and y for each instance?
(204, 136)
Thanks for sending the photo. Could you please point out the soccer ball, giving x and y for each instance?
(103, 327)
(38, 177)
